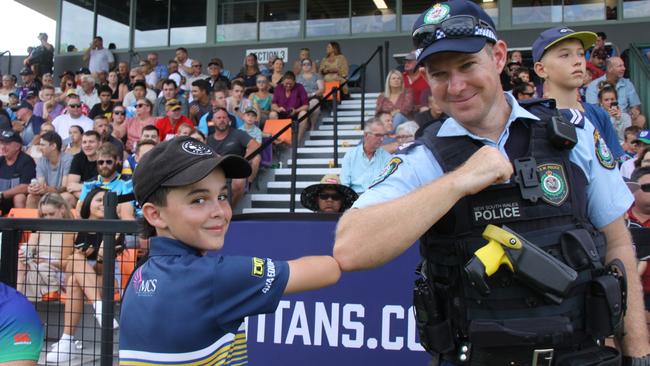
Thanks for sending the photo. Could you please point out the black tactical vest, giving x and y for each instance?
(513, 314)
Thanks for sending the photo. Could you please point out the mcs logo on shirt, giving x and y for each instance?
(144, 287)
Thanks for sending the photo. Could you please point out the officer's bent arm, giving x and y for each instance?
(619, 245)
(372, 236)
(310, 273)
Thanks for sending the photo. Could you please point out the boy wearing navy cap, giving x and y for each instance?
(182, 306)
(559, 59)
(448, 186)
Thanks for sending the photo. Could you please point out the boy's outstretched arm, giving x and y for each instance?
(311, 273)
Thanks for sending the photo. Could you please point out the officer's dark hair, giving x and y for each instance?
(202, 85)
(182, 49)
(640, 172)
(53, 138)
(602, 35)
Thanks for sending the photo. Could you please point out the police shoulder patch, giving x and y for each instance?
(390, 168)
(604, 155)
(553, 182)
(258, 267)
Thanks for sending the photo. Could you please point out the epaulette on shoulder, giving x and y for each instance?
(541, 107)
(406, 147)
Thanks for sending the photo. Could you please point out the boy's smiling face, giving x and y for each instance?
(197, 214)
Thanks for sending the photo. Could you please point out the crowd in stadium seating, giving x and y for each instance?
(60, 142)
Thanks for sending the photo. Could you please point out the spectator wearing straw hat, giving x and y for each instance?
(328, 196)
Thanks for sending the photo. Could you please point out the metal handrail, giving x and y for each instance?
(8, 62)
(294, 125)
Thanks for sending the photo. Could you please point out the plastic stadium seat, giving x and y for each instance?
(272, 126)
(328, 88)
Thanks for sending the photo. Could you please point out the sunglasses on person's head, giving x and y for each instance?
(261, 81)
(332, 196)
(107, 162)
(118, 112)
(74, 105)
(8, 134)
(530, 94)
(199, 65)
(140, 105)
(459, 26)
(306, 63)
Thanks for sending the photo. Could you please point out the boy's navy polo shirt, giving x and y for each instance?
(184, 308)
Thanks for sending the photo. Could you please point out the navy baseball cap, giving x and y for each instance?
(182, 161)
(553, 36)
(452, 26)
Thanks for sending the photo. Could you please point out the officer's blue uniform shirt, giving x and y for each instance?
(607, 195)
(184, 308)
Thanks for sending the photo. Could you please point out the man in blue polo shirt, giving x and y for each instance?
(365, 161)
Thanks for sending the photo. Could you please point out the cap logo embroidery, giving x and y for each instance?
(643, 134)
(566, 30)
(437, 14)
(196, 148)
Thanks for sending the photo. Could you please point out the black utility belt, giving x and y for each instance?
(593, 355)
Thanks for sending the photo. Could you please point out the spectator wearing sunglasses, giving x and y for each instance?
(73, 117)
(108, 178)
(17, 169)
(329, 196)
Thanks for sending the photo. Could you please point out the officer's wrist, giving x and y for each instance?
(636, 361)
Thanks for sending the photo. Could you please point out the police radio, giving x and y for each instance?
(561, 133)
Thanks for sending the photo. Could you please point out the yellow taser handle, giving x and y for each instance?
(493, 254)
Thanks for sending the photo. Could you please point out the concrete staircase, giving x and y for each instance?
(315, 157)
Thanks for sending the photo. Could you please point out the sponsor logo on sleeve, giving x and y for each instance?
(258, 267)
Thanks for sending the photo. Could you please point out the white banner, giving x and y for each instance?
(264, 54)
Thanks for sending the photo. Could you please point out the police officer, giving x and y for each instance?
(445, 188)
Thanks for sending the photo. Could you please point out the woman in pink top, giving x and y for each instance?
(135, 124)
(396, 99)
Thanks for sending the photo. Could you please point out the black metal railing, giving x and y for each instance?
(295, 123)
(7, 52)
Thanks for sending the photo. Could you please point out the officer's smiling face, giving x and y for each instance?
(466, 85)
(198, 214)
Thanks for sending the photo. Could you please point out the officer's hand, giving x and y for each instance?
(485, 167)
